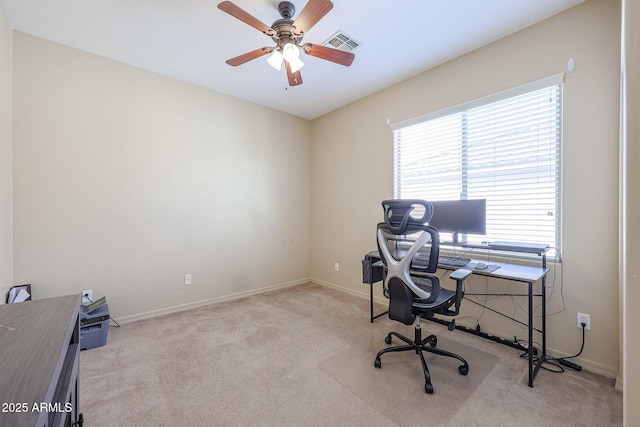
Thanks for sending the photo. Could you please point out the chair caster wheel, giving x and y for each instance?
(463, 369)
(428, 388)
(377, 363)
(387, 339)
(433, 342)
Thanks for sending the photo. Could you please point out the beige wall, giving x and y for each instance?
(6, 225)
(630, 178)
(352, 170)
(125, 181)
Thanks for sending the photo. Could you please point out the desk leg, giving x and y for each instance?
(543, 357)
(544, 312)
(530, 348)
(373, 317)
(533, 369)
(371, 300)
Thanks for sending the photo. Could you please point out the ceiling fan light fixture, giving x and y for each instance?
(287, 34)
(291, 54)
(275, 60)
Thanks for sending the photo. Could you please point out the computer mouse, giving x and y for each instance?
(481, 266)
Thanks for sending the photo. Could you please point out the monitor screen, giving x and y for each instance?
(460, 217)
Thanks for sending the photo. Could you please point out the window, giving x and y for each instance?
(505, 148)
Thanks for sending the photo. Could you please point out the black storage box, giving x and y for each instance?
(372, 269)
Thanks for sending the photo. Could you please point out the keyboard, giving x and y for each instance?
(453, 261)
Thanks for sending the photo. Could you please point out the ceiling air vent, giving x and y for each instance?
(342, 41)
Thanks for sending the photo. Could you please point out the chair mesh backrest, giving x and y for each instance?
(406, 244)
(404, 222)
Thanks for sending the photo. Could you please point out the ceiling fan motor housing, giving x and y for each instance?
(282, 27)
(284, 35)
(286, 9)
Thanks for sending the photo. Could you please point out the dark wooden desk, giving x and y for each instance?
(513, 272)
(39, 362)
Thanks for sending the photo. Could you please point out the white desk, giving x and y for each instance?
(513, 272)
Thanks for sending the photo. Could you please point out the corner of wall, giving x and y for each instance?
(6, 192)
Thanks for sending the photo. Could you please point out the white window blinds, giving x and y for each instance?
(505, 148)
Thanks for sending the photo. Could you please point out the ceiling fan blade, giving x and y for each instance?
(239, 60)
(334, 55)
(313, 11)
(246, 17)
(295, 79)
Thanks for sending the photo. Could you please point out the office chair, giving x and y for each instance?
(409, 249)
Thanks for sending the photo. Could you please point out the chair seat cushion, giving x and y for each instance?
(446, 298)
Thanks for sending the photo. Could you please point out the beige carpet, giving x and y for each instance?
(303, 356)
(397, 389)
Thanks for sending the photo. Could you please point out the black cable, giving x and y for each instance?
(560, 262)
(559, 369)
(548, 358)
(503, 315)
(581, 347)
(561, 360)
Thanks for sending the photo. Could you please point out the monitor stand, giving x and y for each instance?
(458, 238)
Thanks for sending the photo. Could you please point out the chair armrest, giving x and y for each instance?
(460, 274)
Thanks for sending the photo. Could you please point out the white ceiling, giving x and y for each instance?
(190, 39)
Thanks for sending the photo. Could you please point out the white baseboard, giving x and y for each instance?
(182, 307)
(619, 384)
(588, 365)
(360, 294)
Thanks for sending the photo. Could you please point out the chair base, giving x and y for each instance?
(419, 345)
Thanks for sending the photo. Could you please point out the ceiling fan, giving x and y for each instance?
(288, 34)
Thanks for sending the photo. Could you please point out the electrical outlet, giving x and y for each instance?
(87, 297)
(187, 279)
(337, 266)
(586, 319)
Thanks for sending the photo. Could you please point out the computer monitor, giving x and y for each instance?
(460, 217)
